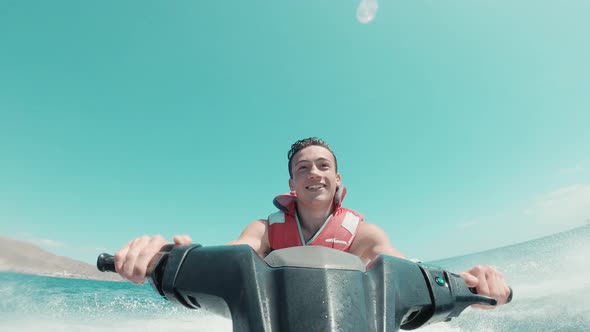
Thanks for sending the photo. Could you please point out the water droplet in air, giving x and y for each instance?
(366, 11)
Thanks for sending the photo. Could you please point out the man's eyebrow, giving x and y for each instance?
(307, 161)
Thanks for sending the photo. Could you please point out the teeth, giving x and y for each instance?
(315, 187)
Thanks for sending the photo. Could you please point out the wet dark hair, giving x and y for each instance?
(302, 144)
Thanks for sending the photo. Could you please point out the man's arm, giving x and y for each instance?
(371, 241)
(256, 236)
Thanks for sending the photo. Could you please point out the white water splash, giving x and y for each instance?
(179, 324)
(366, 11)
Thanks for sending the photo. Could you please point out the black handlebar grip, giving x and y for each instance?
(106, 263)
(508, 300)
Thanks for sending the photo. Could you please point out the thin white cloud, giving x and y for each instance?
(572, 169)
(92, 248)
(470, 224)
(48, 243)
(568, 206)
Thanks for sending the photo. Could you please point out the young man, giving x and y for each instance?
(311, 214)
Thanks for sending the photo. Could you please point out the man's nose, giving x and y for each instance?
(314, 172)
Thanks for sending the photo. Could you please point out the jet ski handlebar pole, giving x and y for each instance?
(284, 294)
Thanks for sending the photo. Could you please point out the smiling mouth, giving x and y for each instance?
(315, 187)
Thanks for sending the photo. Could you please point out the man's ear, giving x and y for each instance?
(291, 185)
(338, 179)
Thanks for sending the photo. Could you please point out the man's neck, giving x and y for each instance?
(312, 219)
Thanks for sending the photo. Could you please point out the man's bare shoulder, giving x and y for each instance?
(368, 229)
(371, 240)
(260, 224)
(256, 236)
(369, 234)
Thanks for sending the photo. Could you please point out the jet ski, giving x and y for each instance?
(308, 288)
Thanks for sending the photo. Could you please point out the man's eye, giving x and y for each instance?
(303, 167)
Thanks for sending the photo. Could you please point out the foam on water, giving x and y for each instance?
(213, 324)
(549, 277)
(34, 303)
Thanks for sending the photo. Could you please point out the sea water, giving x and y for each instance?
(550, 277)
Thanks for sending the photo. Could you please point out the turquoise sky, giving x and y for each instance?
(458, 125)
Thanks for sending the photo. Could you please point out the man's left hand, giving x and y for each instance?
(488, 282)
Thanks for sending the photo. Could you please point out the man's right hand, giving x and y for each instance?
(132, 260)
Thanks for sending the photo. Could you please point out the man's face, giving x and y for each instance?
(314, 175)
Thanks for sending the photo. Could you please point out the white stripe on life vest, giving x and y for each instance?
(276, 218)
(350, 222)
(336, 241)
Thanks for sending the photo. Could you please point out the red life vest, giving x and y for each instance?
(338, 231)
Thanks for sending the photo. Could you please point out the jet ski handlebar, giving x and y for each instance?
(307, 288)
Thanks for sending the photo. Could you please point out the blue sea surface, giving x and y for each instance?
(550, 277)
(39, 303)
